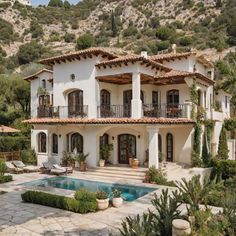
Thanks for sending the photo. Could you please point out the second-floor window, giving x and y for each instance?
(173, 97)
(75, 103)
(105, 98)
(44, 100)
(155, 98)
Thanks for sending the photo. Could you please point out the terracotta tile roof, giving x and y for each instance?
(205, 62)
(34, 76)
(87, 52)
(176, 73)
(109, 121)
(171, 56)
(131, 59)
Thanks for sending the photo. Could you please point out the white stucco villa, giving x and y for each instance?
(139, 103)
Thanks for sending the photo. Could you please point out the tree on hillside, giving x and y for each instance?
(66, 4)
(84, 41)
(55, 3)
(113, 25)
(30, 52)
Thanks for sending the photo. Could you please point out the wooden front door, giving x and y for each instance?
(126, 147)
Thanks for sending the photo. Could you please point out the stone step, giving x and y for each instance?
(121, 168)
(114, 175)
(127, 172)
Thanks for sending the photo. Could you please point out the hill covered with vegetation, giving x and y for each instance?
(27, 33)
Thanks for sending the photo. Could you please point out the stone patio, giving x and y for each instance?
(18, 218)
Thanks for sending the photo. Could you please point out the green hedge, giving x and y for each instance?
(224, 168)
(13, 143)
(65, 203)
(5, 178)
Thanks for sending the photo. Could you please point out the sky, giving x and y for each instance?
(44, 2)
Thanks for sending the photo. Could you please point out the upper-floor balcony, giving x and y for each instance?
(78, 111)
(116, 111)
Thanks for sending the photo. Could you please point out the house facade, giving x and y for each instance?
(141, 104)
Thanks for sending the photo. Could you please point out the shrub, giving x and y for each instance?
(84, 41)
(6, 31)
(185, 41)
(69, 37)
(5, 178)
(130, 31)
(223, 151)
(224, 168)
(3, 167)
(85, 195)
(165, 33)
(101, 195)
(62, 202)
(29, 156)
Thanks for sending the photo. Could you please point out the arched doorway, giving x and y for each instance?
(75, 141)
(126, 147)
(105, 98)
(169, 147)
(75, 103)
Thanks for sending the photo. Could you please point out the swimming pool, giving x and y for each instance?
(129, 192)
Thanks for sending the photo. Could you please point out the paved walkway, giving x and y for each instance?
(18, 218)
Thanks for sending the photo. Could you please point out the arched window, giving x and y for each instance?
(42, 142)
(76, 142)
(169, 147)
(54, 143)
(75, 103)
(105, 98)
(172, 97)
(159, 143)
(44, 83)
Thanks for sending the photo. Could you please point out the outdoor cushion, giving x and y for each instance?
(56, 166)
(57, 171)
(9, 165)
(19, 164)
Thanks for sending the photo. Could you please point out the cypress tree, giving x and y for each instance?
(223, 151)
(206, 157)
(113, 25)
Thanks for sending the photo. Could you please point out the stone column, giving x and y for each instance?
(136, 103)
(153, 147)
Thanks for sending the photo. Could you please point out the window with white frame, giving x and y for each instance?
(42, 142)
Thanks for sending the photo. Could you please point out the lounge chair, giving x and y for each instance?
(50, 169)
(29, 168)
(67, 169)
(12, 169)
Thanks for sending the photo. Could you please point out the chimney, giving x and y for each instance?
(174, 48)
(144, 54)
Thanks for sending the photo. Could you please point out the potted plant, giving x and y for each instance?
(68, 160)
(105, 154)
(135, 163)
(117, 199)
(81, 159)
(102, 200)
(131, 158)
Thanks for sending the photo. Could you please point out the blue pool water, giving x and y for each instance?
(129, 192)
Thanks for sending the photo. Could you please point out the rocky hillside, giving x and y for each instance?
(133, 25)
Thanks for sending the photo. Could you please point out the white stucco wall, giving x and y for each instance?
(34, 85)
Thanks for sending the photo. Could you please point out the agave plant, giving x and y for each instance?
(194, 192)
(137, 226)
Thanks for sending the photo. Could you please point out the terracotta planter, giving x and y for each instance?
(130, 161)
(82, 166)
(135, 163)
(117, 201)
(102, 203)
(102, 163)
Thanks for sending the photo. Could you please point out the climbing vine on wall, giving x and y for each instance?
(194, 99)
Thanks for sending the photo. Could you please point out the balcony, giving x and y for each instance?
(148, 110)
(114, 111)
(165, 110)
(62, 111)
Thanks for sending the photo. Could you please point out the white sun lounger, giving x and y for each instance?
(29, 168)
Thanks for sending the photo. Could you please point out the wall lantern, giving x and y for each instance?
(139, 136)
(113, 138)
(72, 77)
(59, 135)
